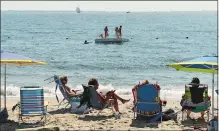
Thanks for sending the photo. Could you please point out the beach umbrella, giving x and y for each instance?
(205, 64)
(10, 58)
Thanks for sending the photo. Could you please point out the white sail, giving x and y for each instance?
(78, 9)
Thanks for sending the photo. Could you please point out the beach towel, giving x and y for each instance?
(169, 115)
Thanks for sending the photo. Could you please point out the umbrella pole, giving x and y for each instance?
(213, 95)
(5, 86)
(0, 96)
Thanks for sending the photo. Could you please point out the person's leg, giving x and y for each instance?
(188, 113)
(112, 94)
(202, 114)
(116, 105)
(115, 102)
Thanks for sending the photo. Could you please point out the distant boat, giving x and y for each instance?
(128, 12)
(78, 9)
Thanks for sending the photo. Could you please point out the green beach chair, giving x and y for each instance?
(196, 99)
(94, 102)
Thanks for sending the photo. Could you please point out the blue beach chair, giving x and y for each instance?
(147, 102)
(32, 103)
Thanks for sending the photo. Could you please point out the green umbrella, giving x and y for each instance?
(205, 64)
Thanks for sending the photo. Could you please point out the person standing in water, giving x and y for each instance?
(106, 32)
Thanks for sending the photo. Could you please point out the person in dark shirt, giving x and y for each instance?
(106, 31)
(196, 96)
(120, 31)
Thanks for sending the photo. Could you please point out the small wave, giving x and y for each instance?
(167, 92)
(39, 32)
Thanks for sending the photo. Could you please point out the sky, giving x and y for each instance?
(135, 6)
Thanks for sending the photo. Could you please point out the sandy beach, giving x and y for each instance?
(106, 120)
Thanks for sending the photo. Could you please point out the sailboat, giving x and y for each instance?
(78, 9)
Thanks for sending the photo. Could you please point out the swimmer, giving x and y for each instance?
(85, 42)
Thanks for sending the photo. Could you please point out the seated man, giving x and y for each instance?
(69, 92)
(197, 94)
(109, 95)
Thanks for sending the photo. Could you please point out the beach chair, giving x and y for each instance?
(66, 100)
(196, 99)
(147, 102)
(32, 104)
(95, 102)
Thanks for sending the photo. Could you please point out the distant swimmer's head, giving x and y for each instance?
(85, 42)
(120, 26)
(187, 37)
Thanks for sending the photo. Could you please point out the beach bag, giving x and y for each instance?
(212, 125)
(75, 103)
(3, 115)
(169, 115)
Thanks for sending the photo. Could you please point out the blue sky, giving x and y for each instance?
(111, 5)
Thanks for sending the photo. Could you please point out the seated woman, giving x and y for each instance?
(195, 98)
(69, 92)
(109, 95)
(101, 35)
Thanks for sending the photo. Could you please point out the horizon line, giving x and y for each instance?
(113, 11)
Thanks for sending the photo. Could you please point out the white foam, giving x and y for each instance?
(165, 93)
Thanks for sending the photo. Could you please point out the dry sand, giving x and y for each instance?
(106, 120)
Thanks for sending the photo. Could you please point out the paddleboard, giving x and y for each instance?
(111, 40)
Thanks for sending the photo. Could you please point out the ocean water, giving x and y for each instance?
(57, 38)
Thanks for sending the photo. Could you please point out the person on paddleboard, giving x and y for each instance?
(106, 32)
(117, 32)
(120, 31)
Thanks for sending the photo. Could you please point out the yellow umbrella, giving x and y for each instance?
(9, 58)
